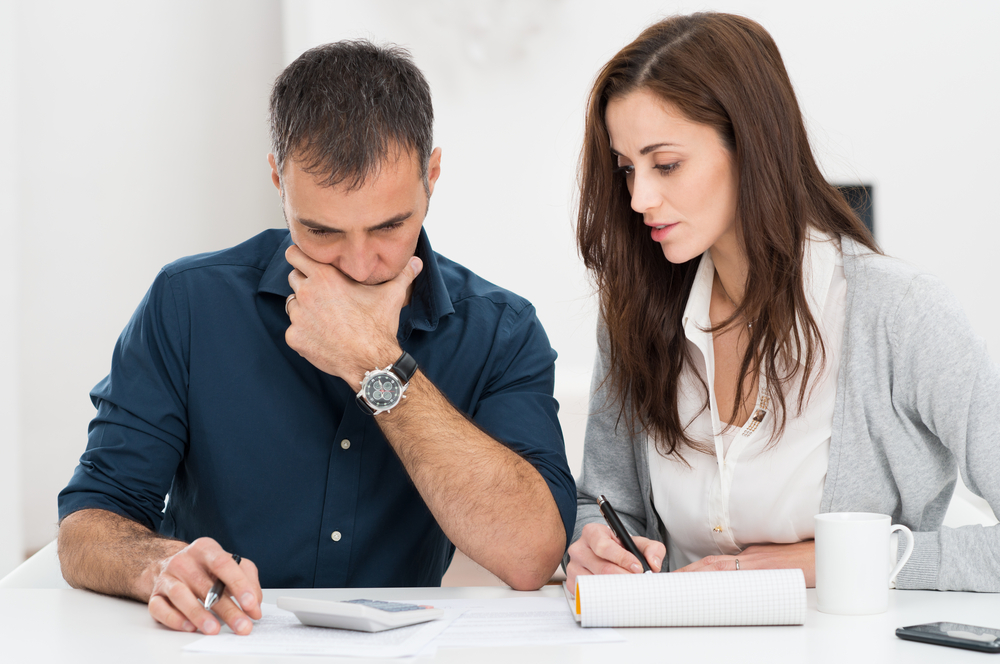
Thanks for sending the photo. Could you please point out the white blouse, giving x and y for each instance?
(751, 492)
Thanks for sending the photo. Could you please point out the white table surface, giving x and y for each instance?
(43, 625)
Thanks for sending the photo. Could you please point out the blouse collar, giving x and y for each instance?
(820, 255)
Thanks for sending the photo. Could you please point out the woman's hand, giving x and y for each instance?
(801, 555)
(598, 551)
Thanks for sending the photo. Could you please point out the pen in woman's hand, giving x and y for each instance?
(618, 528)
(215, 594)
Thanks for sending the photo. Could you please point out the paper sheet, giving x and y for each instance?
(527, 621)
(279, 632)
(479, 623)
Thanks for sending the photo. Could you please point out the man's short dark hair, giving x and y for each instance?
(343, 110)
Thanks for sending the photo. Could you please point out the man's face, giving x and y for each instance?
(368, 233)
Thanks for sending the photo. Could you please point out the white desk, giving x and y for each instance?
(48, 625)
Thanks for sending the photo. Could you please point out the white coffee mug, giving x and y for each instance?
(852, 562)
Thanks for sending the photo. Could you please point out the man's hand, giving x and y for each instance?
(109, 554)
(801, 555)
(598, 551)
(181, 582)
(342, 327)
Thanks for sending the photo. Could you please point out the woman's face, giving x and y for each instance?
(681, 177)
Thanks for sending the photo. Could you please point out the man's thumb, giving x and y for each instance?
(416, 265)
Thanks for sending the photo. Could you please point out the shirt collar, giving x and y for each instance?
(819, 261)
(429, 301)
(696, 317)
(275, 279)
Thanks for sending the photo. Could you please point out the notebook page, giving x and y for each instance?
(750, 597)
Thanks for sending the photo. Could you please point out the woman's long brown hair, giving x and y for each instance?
(723, 71)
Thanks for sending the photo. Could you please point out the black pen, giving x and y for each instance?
(618, 528)
(215, 594)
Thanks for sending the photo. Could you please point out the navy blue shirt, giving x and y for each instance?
(268, 455)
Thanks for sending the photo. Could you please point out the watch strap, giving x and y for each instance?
(363, 405)
(404, 367)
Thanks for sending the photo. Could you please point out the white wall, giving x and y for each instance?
(142, 139)
(11, 530)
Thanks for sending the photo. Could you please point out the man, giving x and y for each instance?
(232, 390)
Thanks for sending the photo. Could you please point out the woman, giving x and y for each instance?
(760, 361)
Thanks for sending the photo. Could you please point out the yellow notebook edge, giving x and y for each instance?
(573, 600)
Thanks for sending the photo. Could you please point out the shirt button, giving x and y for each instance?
(345, 444)
(335, 536)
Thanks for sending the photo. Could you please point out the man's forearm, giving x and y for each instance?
(107, 553)
(493, 504)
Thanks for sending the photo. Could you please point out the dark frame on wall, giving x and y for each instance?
(860, 198)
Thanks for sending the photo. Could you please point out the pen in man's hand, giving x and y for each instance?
(618, 528)
(215, 594)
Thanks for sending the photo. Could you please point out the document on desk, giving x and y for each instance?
(279, 632)
(520, 621)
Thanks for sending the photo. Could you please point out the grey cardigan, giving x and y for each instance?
(917, 395)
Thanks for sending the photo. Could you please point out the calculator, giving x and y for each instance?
(363, 615)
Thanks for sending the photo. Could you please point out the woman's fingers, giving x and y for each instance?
(613, 558)
(598, 551)
(801, 555)
(653, 551)
(711, 564)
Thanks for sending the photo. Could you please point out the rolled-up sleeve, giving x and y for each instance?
(138, 437)
(517, 406)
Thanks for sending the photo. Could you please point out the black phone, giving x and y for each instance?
(956, 635)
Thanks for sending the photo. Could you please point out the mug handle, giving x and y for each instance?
(906, 554)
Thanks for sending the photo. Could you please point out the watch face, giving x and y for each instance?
(382, 390)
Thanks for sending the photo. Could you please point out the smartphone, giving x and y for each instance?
(956, 635)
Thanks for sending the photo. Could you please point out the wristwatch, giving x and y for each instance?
(383, 389)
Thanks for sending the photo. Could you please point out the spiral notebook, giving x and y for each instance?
(750, 597)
